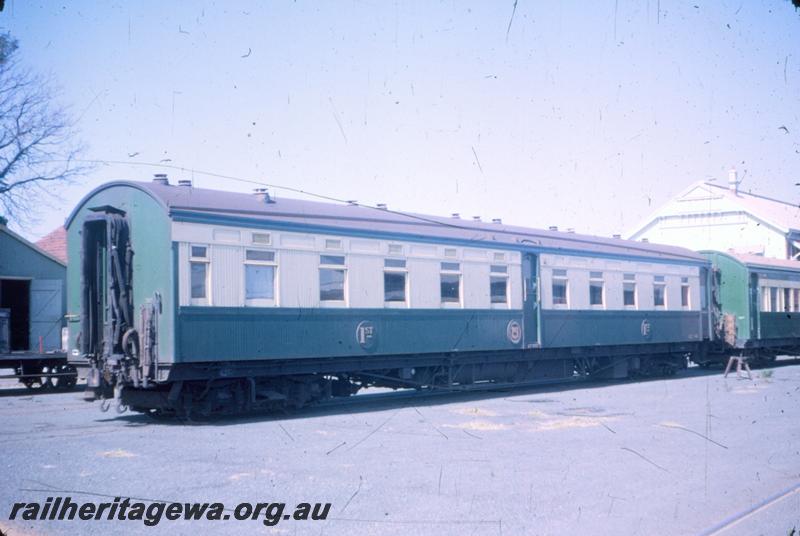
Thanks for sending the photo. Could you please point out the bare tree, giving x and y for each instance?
(38, 145)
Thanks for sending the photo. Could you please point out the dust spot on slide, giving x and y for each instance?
(478, 425)
(118, 453)
(561, 423)
(477, 412)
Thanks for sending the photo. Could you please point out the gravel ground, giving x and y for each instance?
(685, 455)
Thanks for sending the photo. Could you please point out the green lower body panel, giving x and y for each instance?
(780, 325)
(561, 328)
(247, 333)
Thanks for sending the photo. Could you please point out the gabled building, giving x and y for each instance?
(712, 216)
(32, 295)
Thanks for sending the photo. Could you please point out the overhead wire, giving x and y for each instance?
(518, 233)
(277, 187)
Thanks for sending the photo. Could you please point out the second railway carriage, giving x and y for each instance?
(758, 302)
(189, 299)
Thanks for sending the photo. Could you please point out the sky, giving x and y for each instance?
(584, 115)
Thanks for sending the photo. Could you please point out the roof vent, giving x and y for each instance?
(455, 215)
(262, 194)
(497, 220)
(616, 236)
(382, 206)
(352, 202)
(185, 182)
(733, 181)
(553, 228)
(571, 230)
(645, 240)
(476, 218)
(161, 178)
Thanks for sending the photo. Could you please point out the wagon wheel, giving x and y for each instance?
(31, 381)
(69, 379)
(46, 382)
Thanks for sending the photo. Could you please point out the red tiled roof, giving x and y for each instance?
(55, 243)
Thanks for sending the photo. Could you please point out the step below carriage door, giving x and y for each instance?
(530, 303)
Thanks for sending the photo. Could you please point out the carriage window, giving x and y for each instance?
(498, 283)
(773, 299)
(764, 299)
(787, 300)
(394, 280)
(259, 275)
(629, 290)
(450, 282)
(263, 239)
(659, 291)
(258, 255)
(595, 288)
(198, 266)
(796, 300)
(199, 280)
(684, 292)
(560, 287)
(331, 277)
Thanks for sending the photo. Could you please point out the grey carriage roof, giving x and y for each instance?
(765, 262)
(182, 201)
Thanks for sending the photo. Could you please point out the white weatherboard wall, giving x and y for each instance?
(298, 256)
(227, 271)
(710, 217)
(365, 277)
(298, 279)
(737, 232)
(425, 290)
(578, 272)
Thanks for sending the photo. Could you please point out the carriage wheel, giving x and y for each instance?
(32, 381)
(69, 378)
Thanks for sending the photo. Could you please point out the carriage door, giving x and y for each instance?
(105, 283)
(755, 325)
(530, 304)
(705, 313)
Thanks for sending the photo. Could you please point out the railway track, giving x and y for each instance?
(359, 401)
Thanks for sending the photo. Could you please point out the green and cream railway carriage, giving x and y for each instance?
(759, 305)
(188, 299)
